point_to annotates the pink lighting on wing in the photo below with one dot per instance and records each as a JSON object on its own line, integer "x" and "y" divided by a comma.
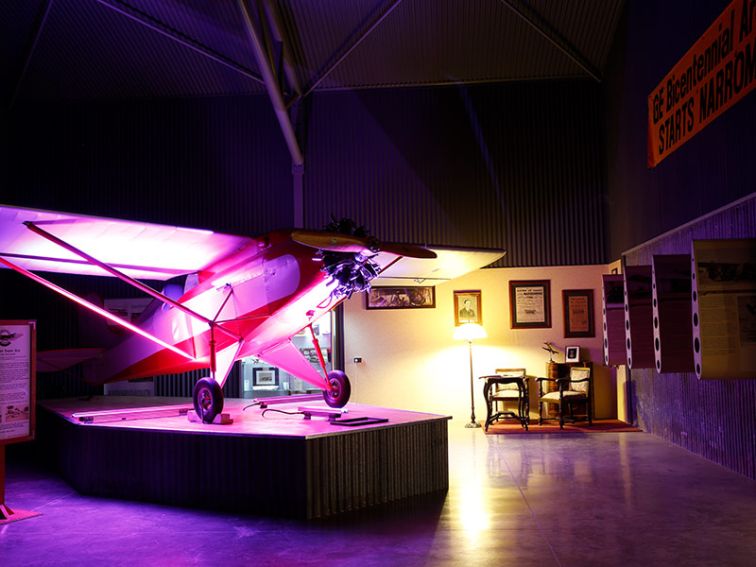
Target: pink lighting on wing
{"x": 95, "y": 308}
{"x": 241, "y": 296}
{"x": 112, "y": 271}
{"x": 142, "y": 250}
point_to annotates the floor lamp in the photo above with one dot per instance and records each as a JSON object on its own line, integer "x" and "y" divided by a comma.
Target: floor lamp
{"x": 470, "y": 332}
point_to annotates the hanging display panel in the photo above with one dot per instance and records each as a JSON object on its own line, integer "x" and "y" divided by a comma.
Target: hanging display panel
{"x": 673, "y": 333}
{"x": 639, "y": 332}
{"x": 613, "y": 309}
{"x": 724, "y": 308}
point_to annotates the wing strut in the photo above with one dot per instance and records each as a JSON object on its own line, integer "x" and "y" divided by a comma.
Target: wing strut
{"x": 321, "y": 360}
{"x": 128, "y": 279}
{"x": 92, "y": 307}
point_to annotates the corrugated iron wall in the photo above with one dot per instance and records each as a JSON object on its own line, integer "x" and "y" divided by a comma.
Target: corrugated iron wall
{"x": 713, "y": 418}
{"x": 313, "y": 477}
{"x": 516, "y": 166}
{"x": 510, "y": 166}
{"x": 182, "y": 385}
{"x": 217, "y": 163}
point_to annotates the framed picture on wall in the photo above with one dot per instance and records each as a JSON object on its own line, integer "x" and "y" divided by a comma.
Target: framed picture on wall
{"x": 468, "y": 307}
{"x": 530, "y": 304}
{"x": 578, "y": 313}
{"x": 572, "y": 354}
{"x": 265, "y": 377}
{"x": 410, "y": 297}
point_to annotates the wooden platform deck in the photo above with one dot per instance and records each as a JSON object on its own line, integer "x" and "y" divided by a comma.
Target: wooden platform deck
{"x": 265, "y": 462}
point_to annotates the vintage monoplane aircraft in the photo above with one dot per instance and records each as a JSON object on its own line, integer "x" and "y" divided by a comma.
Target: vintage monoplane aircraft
{"x": 237, "y": 297}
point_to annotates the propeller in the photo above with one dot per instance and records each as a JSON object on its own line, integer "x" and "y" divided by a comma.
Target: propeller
{"x": 334, "y": 241}
{"x": 408, "y": 250}
{"x": 347, "y": 253}
{"x": 337, "y": 242}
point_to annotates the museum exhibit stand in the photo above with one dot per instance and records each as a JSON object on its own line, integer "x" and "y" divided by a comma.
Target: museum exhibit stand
{"x": 273, "y": 463}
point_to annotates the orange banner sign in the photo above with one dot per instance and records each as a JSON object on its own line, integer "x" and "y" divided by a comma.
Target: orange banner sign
{"x": 718, "y": 71}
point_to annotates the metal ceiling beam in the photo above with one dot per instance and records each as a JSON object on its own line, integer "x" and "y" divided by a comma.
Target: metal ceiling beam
{"x": 282, "y": 43}
{"x": 148, "y": 21}
{"x": 543, "y": 27}
{"x": 271, "y": 86}
{"x": 30, "y": 52}
{"x": 391, "y": 6}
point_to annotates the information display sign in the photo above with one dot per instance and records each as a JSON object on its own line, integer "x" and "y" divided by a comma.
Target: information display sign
{"x": 724, "y": 308}
{"x": 17, "y": 381}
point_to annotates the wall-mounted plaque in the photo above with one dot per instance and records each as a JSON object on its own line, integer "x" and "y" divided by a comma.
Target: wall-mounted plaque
{"x": 17, "y": 380}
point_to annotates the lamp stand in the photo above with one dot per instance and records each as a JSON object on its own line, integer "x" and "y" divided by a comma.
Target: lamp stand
{"x": 473, "y": 423}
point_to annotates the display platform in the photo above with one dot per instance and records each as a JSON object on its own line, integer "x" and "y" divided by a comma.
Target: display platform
{"x": 267, "y": 463}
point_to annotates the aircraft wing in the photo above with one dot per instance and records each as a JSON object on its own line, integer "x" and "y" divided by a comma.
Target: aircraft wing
{"x": 448, "y": 264}
{"x": 141, "y": 250}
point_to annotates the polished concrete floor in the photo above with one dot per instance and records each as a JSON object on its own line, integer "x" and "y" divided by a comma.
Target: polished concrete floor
{"x": 583, "y": 499}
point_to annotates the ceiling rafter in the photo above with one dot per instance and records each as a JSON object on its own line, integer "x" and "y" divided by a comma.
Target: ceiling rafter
{"x": 543, "y": 27}
{"x": 30, "y": 52}
{"x": 311, "y": 46}
{"x": 165, "y": 30}
{"x": 346, "y": 49}
{"x": 287, "y": 76}
{"x": 271, "y": 84}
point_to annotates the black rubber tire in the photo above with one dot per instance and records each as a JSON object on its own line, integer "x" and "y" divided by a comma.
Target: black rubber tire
{"x": 208, "y": 399}
{"x": 340, "y": 391}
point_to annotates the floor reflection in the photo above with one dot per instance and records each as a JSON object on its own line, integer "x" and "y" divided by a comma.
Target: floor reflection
{"x": 548, "y": 500}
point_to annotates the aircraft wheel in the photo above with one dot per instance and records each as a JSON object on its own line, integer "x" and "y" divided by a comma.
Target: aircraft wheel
{"x": 338, "y": 395}
{"x": 208, "y": 399}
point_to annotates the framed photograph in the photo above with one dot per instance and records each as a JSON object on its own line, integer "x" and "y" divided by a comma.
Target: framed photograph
{"x": 265, "y": 377}
{"x": 530, "y": 304}
{"x": 572, "y": 354}
{"x": 410, "y": 297}
{"x": 578, "y": 313}
{"x": 468, "y": 307}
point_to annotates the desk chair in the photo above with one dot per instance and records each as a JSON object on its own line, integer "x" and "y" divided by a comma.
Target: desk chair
{"x": 507, "y": 386}
{"x": 571, "y": 390}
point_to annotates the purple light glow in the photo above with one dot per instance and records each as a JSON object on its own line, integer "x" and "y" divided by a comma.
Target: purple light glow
{"x": 141, "y": 250}
{"x": 92, "y": 307}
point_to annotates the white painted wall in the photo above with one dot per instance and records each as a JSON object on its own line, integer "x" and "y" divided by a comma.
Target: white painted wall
{"x": 410, "y": 360}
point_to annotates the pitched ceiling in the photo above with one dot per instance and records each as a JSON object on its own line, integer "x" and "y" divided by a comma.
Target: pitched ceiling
{"x": 115, "y": 49}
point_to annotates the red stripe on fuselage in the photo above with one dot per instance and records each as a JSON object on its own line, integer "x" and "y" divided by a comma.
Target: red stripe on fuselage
{"x": 246, "y": 326}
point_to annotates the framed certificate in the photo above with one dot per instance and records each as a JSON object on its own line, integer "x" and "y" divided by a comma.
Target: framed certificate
{"x": 530, "y": 304}
{"x": 578, "y": 313}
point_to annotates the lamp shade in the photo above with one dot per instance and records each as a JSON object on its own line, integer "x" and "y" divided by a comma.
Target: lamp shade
{"x": 469, "y": 332}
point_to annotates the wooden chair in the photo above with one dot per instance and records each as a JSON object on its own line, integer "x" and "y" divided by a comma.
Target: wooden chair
{"x": 575, "y": 389}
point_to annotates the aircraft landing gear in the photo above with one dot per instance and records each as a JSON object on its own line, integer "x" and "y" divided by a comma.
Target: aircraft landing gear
{"x": 208, "y": 399}
{"x": 338, "y": 395}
